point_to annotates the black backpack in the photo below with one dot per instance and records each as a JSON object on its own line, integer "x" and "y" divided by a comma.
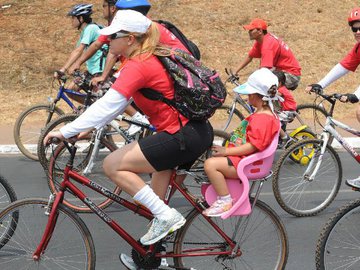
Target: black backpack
{"x": 191, "y": 46}
{"x": 199, "y": 90}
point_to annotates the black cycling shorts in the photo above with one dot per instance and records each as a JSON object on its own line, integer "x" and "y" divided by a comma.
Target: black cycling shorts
{"x": 162, "y": 150}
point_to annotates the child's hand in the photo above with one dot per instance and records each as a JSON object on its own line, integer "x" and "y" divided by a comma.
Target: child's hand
{"x": 218, "y": 151}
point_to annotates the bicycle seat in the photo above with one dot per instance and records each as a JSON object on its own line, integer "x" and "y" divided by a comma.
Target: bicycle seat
{"x": 253, "y": 167}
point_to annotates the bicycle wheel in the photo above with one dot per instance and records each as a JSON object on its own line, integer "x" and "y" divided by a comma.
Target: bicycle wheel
{"x": 94, "y": 172}
{"x": 261, "y": 235}
{"x": 44, "y": 152}
{"x": 28, "y": 127}
{"x": 76, "y": 252}
{"x": 296, "y": 193}
{"x": 7, "y": 195}
{"x": 338, "y": 244}
{"x": 222, "y": 120}
{"x": 193, "y": 182}
{"x": 311, "y": 115}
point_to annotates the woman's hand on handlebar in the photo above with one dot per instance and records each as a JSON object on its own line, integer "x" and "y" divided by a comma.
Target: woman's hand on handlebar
{"x": 53, "y": 137}
{"x": 317, "y": 88}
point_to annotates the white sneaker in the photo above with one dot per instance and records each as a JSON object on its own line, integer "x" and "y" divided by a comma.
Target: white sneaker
{"x": 135, "y": 128}
{"x": 128, "y": 262}
{"x": 353, "y": 182}
{"x": 161, "y": 227}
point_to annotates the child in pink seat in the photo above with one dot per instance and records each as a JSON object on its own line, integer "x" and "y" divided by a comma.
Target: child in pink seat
{"x": 254, "y": 134}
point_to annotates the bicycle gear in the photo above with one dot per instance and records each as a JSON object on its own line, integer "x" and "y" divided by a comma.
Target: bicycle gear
{"x": 148, "y": 261}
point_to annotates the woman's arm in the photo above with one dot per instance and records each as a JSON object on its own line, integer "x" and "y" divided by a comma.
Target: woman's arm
{"x": 335, "y": 73}
{"x": 98, "y": 114}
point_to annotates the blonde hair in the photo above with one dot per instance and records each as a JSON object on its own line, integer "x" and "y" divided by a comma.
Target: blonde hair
{"x": 149, "y": 42}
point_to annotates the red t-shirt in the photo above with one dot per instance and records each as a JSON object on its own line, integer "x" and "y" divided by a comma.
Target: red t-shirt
{"x": 104, "y": 39}
{"x": 352, "y": 59}
{"x": 275, "y": 53}
{"x": 289, "y": 103}
{"x": 150, "y": 73}
{"x": 260, "y": 131}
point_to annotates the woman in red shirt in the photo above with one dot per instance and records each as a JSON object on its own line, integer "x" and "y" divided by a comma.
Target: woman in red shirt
{"x": 136, "y": 38}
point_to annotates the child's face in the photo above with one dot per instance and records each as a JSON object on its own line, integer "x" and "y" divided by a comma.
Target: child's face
{"x": 254, "y": 99}
{"x": 74, "y": 22}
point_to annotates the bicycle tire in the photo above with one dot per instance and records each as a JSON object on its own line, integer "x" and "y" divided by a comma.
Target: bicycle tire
{"x": 293, "y": 190}
{"x": 330, "y": 256}
{"x": 77, "y": 252}
{"x": 222, "y": 115}
{"x": 44, "y": 152}
{"x": 34, "y": 128}
{"x": 57, "y": 164}
{"x": 309, "y": 119}
{"x": 197, "y": 233}
{"x": 7, "y": 196}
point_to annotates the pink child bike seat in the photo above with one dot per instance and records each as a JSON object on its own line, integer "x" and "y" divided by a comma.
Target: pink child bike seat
{"x": 253, "y": 167}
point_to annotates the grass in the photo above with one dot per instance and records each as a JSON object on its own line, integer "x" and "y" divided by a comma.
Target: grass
{"x": 36, "y": 38}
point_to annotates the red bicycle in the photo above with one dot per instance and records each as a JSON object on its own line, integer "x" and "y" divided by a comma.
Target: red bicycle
{"x": 49, "y": 235}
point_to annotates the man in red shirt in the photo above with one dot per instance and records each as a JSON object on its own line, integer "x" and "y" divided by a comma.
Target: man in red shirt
{"x": 273, "y": 53}
{"x": 349, "y": 63}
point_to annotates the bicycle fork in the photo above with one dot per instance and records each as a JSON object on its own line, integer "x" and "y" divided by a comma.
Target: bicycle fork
{"x": 52, "y": 212}
{"x": 316, "y": 160}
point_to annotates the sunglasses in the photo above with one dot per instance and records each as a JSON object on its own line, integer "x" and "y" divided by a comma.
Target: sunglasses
{"x": 118, "y": 35}
{"x": 355, "y": 29}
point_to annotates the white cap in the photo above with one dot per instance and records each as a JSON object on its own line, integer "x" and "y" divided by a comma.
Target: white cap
{"x": 127, "y": 20}
{"x": 261, "y": 81}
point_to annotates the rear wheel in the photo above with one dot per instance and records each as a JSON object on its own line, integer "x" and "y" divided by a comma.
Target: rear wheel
{"x": 70, "y": 245}
{"x": 261, "y": 235}
{"x": 29, "y": 125}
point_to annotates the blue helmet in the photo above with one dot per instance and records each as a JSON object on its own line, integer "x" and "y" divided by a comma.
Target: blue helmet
{"x": 142, "y": 6}
{"x": 81, "y": 10}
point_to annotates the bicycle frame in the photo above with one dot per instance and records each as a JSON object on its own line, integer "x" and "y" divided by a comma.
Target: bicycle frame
{"x": 66, "y": 184}
{"x": 329, "y": 130}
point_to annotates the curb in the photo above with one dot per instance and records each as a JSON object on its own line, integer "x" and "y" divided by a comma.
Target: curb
{"x": 13, "y": 149}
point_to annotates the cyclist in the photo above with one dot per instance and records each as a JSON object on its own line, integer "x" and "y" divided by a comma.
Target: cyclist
{"x": 349, "y": 63}
{"x": 109, "y": 11}
{"x": 81, "y": 20}
{"x": 287, "y": 107}
{"x": 273, "y": 53}
{"x": 136, "y": 37}
{"x": 255, "y": 133}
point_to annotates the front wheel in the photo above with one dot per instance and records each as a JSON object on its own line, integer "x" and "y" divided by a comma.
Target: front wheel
{"x": 87, "y": 165}
{"x": 261, "y": 235}
{"x": 338, "y": 244}
{"x": 225, "y": 119}
{"x": 300, "y": 191}
{"x": 70, "y": 246}
{"x": 29, "y": 125}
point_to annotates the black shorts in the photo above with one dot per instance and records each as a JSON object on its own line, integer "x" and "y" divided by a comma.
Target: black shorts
{"x": 162, "y": 150}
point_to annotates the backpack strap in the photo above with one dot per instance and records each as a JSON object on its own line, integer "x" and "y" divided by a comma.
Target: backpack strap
{"x": 155, "y": 95}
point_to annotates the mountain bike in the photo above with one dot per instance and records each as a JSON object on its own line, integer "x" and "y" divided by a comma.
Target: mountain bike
{"x": 31, "y": 121}
{"x": 7, "y": 195}
{"x": 49, "y": 235}
{"x": 308, "y": 186}
{"x": 338, "y": 243}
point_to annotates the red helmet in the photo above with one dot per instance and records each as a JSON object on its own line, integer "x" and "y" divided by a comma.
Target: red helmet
{"x": 354, "y": 15}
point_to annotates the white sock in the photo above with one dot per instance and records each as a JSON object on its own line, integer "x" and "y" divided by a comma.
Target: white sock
{"x": 147, "y": 197}
{"x": 137, "y": 115}
{"x": 225, "y": 198}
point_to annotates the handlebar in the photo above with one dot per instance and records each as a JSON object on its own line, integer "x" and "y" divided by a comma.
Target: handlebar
{"x": 234, "y": 79}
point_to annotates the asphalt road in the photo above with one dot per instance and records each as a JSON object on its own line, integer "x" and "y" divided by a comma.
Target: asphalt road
{"x": 28, "y": 180}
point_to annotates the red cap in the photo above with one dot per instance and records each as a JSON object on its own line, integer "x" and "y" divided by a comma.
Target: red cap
{"x": 256, "y": 24}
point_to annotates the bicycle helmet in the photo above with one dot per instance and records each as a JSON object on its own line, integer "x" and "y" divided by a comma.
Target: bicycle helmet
{"x": 142, "y": 6}
{"x": 354, "y": 16}
{"x": 81, "y": 10}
